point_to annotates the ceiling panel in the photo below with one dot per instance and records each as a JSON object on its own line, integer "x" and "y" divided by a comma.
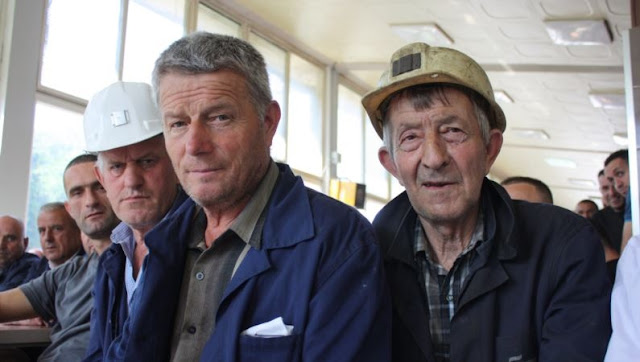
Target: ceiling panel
{"x": 549, "y": 83}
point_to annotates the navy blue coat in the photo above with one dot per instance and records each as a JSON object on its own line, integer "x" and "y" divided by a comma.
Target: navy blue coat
{"x": 19, "y": 272}
{"x": 318, "y": 268}
{"x": 150, "y": 326}
{"x": 542, "y": 295}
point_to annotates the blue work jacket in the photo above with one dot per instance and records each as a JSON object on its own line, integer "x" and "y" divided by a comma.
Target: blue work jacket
{"x": 166, "y": 244}
{"x": 318, "y": 268}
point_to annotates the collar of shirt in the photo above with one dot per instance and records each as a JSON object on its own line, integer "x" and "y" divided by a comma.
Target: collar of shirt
{"x": 422, "y": 242}
{"x": 248, "y": 225}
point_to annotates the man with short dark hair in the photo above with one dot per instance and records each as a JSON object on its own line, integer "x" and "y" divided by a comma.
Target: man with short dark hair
{"x": 616, "y": 168}
{"x": 15, "y": 262}
{"x": 610, "y": 220}
{"x": 63, "y": 294}
{"x": 527, "y": 189}
{"x": 475, "y": 275}
{"x": 586, "y": 208}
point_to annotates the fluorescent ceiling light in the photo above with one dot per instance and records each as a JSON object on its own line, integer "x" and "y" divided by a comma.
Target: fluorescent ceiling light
{"x": 620, "y": 139}
{"x": 608, "y": 100}
{"x": 531, "y": 133}
{"x": 429, "y": 33}
{"x": 582, "y": 182}
{"x": 502, "y": 96}
{"x": 578, "y": 32}
{"x": 560, "y": 162}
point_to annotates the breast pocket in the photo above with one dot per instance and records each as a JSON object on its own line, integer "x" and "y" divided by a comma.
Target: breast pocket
{"x": 285, "y": 348}
{"x": 513, "y": 349}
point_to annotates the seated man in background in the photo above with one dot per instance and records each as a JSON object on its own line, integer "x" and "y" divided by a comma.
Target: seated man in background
{"x": 610, "y": 219}
{"x": 527, "y": 189}
{"x": 59, "y": 237}
{"x": 475, "y": 275}
{"x": 63, "y": 294}
{"x": 616, "y": 168}
{"x": 586, "y": 208}
{"x": 15, "y": 262}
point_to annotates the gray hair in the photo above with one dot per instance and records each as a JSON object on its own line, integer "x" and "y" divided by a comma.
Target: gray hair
{"x": 203, "y": 52}
{"x": 422, "y": 97}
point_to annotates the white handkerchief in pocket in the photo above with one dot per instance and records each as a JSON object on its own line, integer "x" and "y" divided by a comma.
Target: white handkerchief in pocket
{"x": 270, "y": 329}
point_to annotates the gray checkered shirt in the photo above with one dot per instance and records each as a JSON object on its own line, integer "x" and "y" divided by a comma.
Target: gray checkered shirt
{"x": 442, "y": 288}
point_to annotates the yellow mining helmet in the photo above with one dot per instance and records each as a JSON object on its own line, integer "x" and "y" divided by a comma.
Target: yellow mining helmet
{"x": 419, "y": 63}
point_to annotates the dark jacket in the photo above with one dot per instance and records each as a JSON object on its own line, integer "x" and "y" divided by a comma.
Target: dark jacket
{"x": 110, "y": 338}
{"x": 318, "y": 268}
{"x": 19, "y": 272}
{"x": 542, "y": 295}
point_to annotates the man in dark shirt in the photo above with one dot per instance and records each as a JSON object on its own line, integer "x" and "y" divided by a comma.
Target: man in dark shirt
{"x": 15, "y": 262}
{"x": 610, "y": 219}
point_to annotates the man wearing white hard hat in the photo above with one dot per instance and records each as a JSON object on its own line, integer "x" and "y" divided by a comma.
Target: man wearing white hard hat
{"x": 122, "y": 125}
{"x": 474, "y": 275}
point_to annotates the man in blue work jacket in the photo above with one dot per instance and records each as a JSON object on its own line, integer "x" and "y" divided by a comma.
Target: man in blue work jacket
{"x": 271, "y": 270}
{"x": 475, "y": 276}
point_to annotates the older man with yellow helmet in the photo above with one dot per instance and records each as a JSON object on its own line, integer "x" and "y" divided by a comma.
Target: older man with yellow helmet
{"x": 474, "y": 275}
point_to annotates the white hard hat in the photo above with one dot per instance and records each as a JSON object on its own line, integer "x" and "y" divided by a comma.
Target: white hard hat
{"x": 120, "y": 115}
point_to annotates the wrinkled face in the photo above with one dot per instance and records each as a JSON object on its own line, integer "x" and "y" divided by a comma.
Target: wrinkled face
{"x": 59, "y": 235}
{"x": 217, "y": 142}
{"x": 617, "y": 172}
{"x": 440, "y": 157}
{"x": 524, "y": 191}
{"x": 87, "y": 201}
{"x": 139, "y": 181}
{"x": 610, "y": 197}
{"x": 12, "y": 241}
{"x": 586, "y": 209}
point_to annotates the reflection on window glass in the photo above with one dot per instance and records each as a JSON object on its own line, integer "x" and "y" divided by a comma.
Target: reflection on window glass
{"x": 214, "y": 22}
{"x": 80, "y": 47}
{"x": 350, "y": 135}
{"x": 376, "y": 177}
{"x": 304, "y": 131}
{"x": 276, "y": 60}
{"x": 57, "y": 138}
{"x": 151, "y": 28}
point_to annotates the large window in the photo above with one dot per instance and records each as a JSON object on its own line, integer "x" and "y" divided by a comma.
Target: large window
{"x": 57, "y": 138}
{"x": 80, "y": 52}
{"x": 151, "y": 27}
{"x": 304, "y": 131}
{"x": 277, "y": 60}
{"x": 89, "y": 44}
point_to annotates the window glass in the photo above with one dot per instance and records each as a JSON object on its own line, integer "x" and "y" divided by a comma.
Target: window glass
{"x": 57, "y": 138}
{"x": 151, "y": 28}
{"x": 376, "y": 176}
{"x": 350, "y": 135}
{"x": 371, "y": 208}
{"x": 214, "y": 22}
{"x": 80, "y": 46}
{"x": 304, "y": 131}
{"x": 276, "y": 59}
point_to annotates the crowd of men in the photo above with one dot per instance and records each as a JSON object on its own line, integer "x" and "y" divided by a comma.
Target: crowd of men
{"x": 198, "y": 246}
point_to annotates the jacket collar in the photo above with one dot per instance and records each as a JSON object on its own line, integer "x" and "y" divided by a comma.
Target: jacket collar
{"x": 289, "y": 196}
{"x": 398, "y": 218}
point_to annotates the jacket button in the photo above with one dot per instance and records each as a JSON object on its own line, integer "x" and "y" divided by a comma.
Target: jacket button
{"x": 191, "y": 329}
{"x": 199, "y": 275}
